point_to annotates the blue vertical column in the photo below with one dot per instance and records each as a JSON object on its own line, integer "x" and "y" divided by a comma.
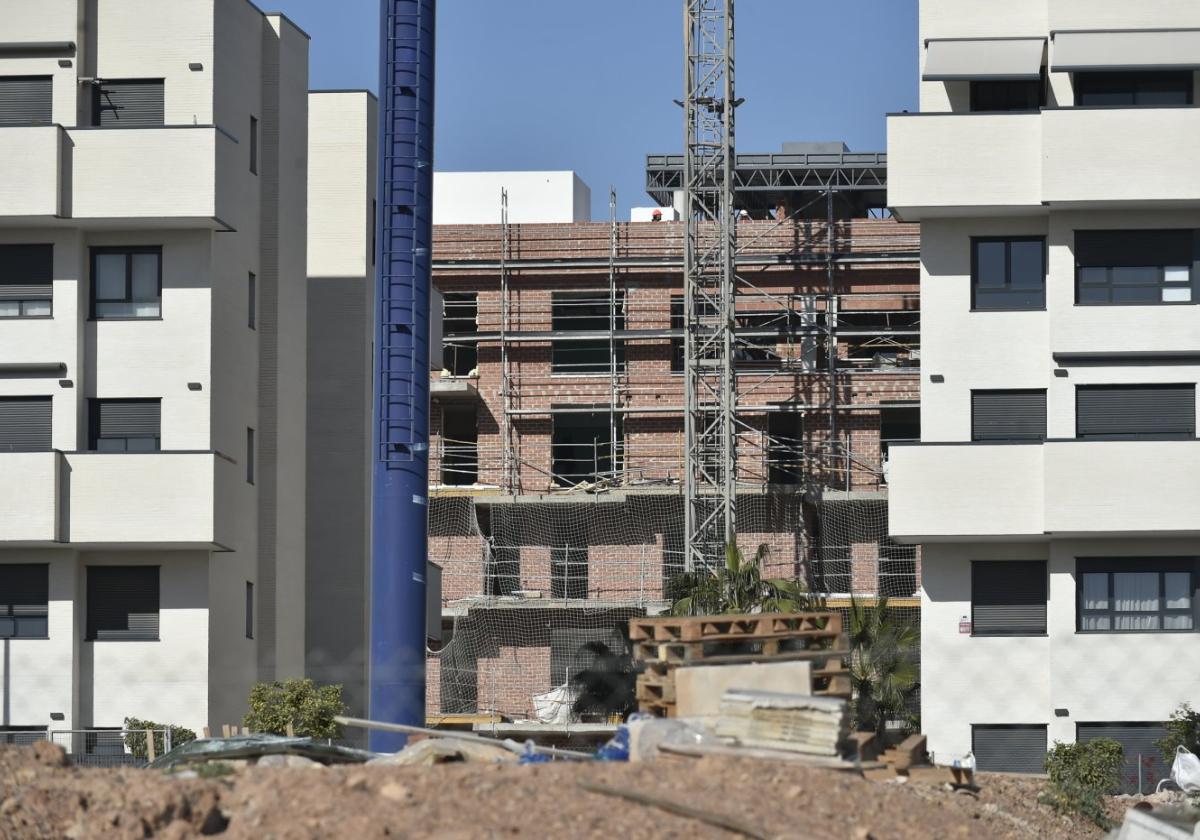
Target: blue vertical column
{"x": 399, "y": 529}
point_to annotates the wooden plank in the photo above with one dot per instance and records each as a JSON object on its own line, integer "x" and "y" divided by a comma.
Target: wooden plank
{"x": 150, "y": 751}
{"x": 760, "y": 646}
{"x": 730, "y": 627}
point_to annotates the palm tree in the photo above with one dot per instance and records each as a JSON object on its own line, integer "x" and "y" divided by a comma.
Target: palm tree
{"x": 737, "y": 588}
{"x": 882, "y": 663}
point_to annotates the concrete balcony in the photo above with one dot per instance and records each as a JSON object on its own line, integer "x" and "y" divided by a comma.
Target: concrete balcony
{"x": 161, "y": 177}
{"x": 155, "y": 499}
{"x": 170, "y": 177}
{"x": 32, "y": 162}
{"x": 984, "y": 492}
{"x": 946, "y": 164}
{"x": 1131, "y": 157}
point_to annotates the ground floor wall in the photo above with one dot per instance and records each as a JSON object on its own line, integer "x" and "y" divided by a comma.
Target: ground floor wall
{"x": 1058, "y": 680}
{"x": 197, "y": 673}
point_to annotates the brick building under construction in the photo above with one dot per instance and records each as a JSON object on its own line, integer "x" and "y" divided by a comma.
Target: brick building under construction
{"x": 557, "y": 455}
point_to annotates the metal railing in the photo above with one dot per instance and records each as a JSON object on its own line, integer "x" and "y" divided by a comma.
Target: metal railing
{"x": 96, "y": 747}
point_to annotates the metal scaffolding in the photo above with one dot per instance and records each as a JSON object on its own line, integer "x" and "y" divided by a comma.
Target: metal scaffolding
{"x": 710, "y": 249}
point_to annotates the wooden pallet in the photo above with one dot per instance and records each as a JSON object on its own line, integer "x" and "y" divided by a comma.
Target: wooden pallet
{"x": 749, "y": 646}
{"x": 656, "y": 692}
{"x": 729, "y": 627}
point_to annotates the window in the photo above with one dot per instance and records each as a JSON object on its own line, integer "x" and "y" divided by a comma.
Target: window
{"x": 249, "y": 610}
{"x": 126, "y": 283}
{"x": 25, "y": 424}
{"x": 1143, "y": 767}
{"x": 254, "y": 145}
{"x": 785, "y": 447}
{"x": 1009, "y": 95}
{"x": 1136, "y": 266}
{"x": 898, "y": 425}
{"x": 1135, "y": 412}
{"x": 1009, "y": 748}
{"x": 504, "y": 570}
{"x": 574, "y": 312}
{"x": 460, "y": 444}
{"x": 124, "y": 425}
{"x": 1008, "y": 415}
{"x": 122, "y": 603}
{"x": 24, "y": 601}
{"x": 1147, "y": 595}
{"x": 568, "y": 572}
{"x": 581, "y": 448}
{"x": 1008, "y": 598}
{"x": 26, "y": 100}
{"x": 128, "y": 103}
{"x": 1133, "y": 90}
{"x": 1008, "y": 273}
{"x": 252, "y": 301}
{"x": 461, "y": 324}
{"x": 26, "y": 281}
{"x": 250, "y": 453}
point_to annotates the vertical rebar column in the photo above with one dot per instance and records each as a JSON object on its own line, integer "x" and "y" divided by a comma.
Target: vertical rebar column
{"x": 509, "y": 437}
{"x": 710, "y": 282}
{"x": 399, "y": 522}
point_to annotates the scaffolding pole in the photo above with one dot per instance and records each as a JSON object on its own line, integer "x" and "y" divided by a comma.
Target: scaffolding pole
{"x": 612, "y": 331}
{"x": 710, "y": 284}
{"x": 506, "y": 379}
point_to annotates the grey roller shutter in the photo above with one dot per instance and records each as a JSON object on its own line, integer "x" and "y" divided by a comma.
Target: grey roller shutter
{"x": 128, "y": 418}
{"x": 122, "y": 603}
{"x": 24, "y": 424}
{"x": 24, "y": 600}
{"x": 1144, "y": 766}
{"x": 26, "y": 272}
{"x": 1132, "y": 411}
{"x": 1009, "y": 749}
{"x": 1008, "y": 598}
{"x": 26, "y": 100}
{"x": 1008, "y": 415}
{"x": 131, "y": 103}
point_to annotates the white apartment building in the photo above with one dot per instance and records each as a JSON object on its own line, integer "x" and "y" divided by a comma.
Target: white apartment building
{"x": 1056, "y": 488}
{"x": 152, "y": 359}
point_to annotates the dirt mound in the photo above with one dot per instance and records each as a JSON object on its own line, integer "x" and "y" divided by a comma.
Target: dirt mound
{"x": 41, "y": 798}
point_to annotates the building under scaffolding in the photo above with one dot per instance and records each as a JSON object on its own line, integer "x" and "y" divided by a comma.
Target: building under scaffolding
{"x": 558, "y": 447}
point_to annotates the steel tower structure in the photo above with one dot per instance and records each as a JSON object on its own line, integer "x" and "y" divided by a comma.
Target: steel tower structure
{"x": 710, "y": 283}
{"x": 399, "y": 527}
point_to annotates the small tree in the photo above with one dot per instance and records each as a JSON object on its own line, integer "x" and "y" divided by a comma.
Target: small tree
{"x": 1183, "y": 730}
{"x": 1081, "y": 775}
{"x": 135, "y": 738}
{"x": 738, "y": 587}
{"x": 309, "y": 708}
{"x": 882, "y": 664}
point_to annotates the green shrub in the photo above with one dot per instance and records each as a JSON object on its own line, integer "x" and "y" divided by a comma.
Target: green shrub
{"x": 1081, "y": 775}
{"x": 135, "y": 740}
{"x": 309, "y": 708}
{"x": 1183, "y": 730}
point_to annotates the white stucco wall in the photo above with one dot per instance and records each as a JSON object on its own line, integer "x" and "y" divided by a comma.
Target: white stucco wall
{"x": 473, "y": 198}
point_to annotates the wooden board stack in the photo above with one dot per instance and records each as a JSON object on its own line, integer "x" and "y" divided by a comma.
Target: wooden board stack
{"x": 663, "y": 643}
{"x": 792, "y": 722}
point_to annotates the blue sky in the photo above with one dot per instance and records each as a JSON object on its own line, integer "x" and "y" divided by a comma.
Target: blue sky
{"x": 569, "y": 84}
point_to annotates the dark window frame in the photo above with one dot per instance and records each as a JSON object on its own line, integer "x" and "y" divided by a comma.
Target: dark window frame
{"x": 252, "y": 300}
{"x": 94, "y": 431}
{"x": 1161, "y": 285}
{"x": 29, "y": 298}
{"x": 1008, "y": 288}
{"x": 251, "y": 452}
{"x": 249, "y": 610}
{"x": 1134, "y": 82}
{"x": 1187, "y": 435}
{"x": 1045, "y": 602}
{"x": 91, "y": 631}
{"x": 128, "y": 251}
{"x": 976, "y": 437}
{"x": 254, "y": 129}
{"x": 1112, "y": 566}
{"x": 8, "y": 613}
{"x": 571, "y": 454}
{"x": 1038, "y": 87}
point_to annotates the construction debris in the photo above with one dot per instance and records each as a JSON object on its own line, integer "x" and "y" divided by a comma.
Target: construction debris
{"x": 245, "y": 748}
{"x": 791, "y": 722}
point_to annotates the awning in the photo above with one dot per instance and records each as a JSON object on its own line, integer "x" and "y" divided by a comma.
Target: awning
{"x": 1147, "y": 49}
{"x": 981, "y": 59}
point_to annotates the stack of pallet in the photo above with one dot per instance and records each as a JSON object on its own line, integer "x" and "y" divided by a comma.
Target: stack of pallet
{"x": 792, "y": 722}
{"x": 663, "y": 644}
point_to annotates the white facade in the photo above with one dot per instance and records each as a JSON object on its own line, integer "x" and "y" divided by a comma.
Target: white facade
{"x": 215, "y": 183}
{"x": 473, "y": 198}
{"x": 1079, "y": 502}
